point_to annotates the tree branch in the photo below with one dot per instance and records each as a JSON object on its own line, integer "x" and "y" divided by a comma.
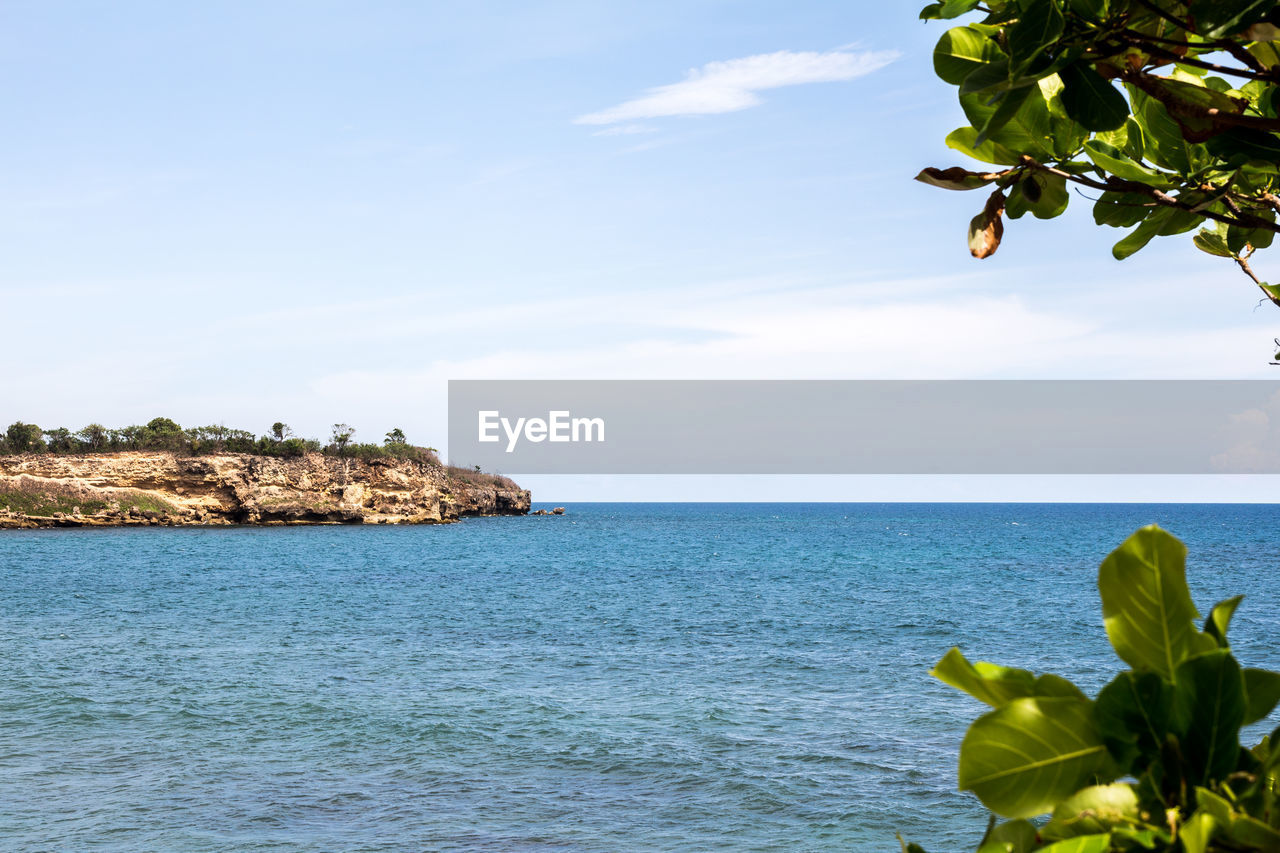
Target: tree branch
{"x": 1113, "y": 184}
{"x": 1133, "y": 39}
{"x": 1151, "y": 7}
{"x": 1243, "y": 263}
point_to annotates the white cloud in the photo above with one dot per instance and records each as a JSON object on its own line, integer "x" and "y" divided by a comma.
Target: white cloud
{"x": 724, "y": 87}
{"x": 625, "y": 130}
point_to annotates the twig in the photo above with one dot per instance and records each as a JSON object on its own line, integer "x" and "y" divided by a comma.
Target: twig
{"x": 1151, "y": 7}
{"x": 1243, "y": 220}
{"x": 1133, "y": 39}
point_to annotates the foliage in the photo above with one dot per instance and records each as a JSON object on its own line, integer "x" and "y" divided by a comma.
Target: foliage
{"x": 1187, "y": 138}
{"x": 24, "y": 438}
{"x": 341, "y": 436}
{"x": 1154, "y": 761}
{"x": 166, "y": 434}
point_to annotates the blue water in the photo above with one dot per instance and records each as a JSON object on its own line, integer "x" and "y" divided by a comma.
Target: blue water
{"x": 625, "y": 677}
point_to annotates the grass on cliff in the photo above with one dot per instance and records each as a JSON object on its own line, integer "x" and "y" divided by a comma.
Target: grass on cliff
{"x": 472, "y": 477}
{"x": 48, "y": 499}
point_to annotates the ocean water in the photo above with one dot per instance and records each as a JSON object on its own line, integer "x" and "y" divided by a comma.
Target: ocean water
{"x": 623, "y": 678}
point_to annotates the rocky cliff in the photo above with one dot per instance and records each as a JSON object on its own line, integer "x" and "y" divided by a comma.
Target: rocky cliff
{"x": 45, "y": 490}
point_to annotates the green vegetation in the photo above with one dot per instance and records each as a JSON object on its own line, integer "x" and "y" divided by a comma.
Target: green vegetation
{"x": 165, "y": 434}
{"x": 46, "y": 498}
{"x": 1189, "y": 138}
{"x": 44, "y": 503}
{"x": 1154, "y": 761}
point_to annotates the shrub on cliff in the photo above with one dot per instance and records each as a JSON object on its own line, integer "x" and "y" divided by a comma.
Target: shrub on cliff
{"x": 24, "y": 438}
{"x": 166, "y": 434}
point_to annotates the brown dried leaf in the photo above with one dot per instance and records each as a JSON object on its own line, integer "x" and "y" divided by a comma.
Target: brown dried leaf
{"x": 987, "y": 228}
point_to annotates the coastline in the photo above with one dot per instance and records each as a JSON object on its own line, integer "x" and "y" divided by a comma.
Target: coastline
{"x": 161, "y": 488}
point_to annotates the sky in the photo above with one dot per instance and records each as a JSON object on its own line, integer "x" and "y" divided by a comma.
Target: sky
{"x": 245, "y": 212}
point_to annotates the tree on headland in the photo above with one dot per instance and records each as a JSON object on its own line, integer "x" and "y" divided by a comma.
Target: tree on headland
{"x": 341, "y": 437}
{"x": 94, "y": 436}
{"x": 24, "y": 438}
{"x": 60, "y": 440}
{"x": 1163, "y": 114}
{"x": 165, "y": 434}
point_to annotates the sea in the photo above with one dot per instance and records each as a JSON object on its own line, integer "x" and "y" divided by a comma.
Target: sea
{"x": 625, "y": 677}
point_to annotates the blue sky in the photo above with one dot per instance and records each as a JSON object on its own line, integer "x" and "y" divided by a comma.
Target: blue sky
{"x": 322, "y": 211}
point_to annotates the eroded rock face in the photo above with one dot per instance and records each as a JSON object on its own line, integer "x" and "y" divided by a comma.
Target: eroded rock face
{"x": 236, "y": 488}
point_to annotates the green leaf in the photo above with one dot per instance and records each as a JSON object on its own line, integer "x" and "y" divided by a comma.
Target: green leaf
{"x": 1092, "y": 10}
{"x": 1220, "y": 616}
{"x": 965, "y": 140}
{"x": 993, "y": 75}
{"x": 1027, "y": 755}
{"x": 1146, "y": 606}
{"x": 1120, "y": 210}
{"x": 1132, "y": 717}
{"x": 1091, "y": 100}
{"x": 1253, "y": 834}
{"x": 1241, "y": 145}
{"x": 1080, "y": 844}
{"x": 1113, "y": 160}
{"x": 1040, "y": 25}
{"x": 1052, "y": 196}
{"x": 1024, "y": 126}
{"x": 1093, "y": 810}
{"x": 948, "y": 9}
{"x": 1208, "y": 711}
{"x": 1009, "y": 103}
{"x": 1161, "y": 223}
{"x": 1215, "y": 244}
{"x": 1262, "y": 688}
{"x": 998, "y": 685}
{"x": 1164, "y": 143}
{"x": 1197, "y": 832}
{"x": 1014, "y": 836}
{"x": 1224, "y": 17}
{"x": 961, "y": 51}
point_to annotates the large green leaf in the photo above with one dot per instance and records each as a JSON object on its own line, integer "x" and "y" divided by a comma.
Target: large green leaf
{"x": 1120, "y": 210}
{"x": 1014, "y": 836}
{"x": 1080, "y": 844}
{"x": 1165, "y": 145}
{"x": 1051, "y": 195}
{"x": 1222, "y": 17}
{"x": 1024, "y": 757}
{"x": 1025, "y": 130}
{"x": 1197, "y": 832}
{"x": 998, "y": 685}
{"x": 1163, "y": 222}
{"x": 1146, "y": 606}
{"x": 1262, "y": 689}
{"x": 947, "y": 9}
{"x": 1093, "y": 810}
{"x": 1039, "y": 26}
{"x": 1132, "y": 717}
{"x": 961, "y": 51}
{"x": 965, "y": 140}
{"x": 1091, "y": 100}
{"x": 1208, "y": 711}
{"x": 1113, "y": 160}
{"x": 1220, "y": 616}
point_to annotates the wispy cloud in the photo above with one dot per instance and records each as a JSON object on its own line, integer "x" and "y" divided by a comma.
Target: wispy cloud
{"x": 625, "y": 130}
{"x": 731, "y": 85}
